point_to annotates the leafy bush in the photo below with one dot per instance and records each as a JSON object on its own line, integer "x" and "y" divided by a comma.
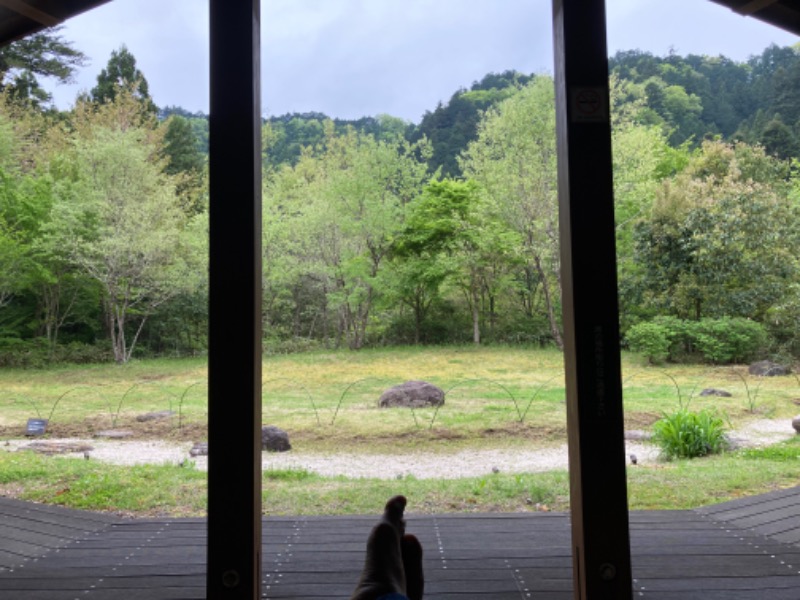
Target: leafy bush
{"x": 291, "y": 345}
{"x": 37, "y": 353}
{"x": 719, "y": 341}
{"x": 728, "y": 340}
{"x": 650, "y": 339}
{"x": 685, "y": 434}
{"x": 783, "y": 321}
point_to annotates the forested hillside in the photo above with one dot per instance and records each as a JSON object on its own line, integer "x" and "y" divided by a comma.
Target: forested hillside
{"x": 381, "y": 231}
{"x": 691, "y": 97}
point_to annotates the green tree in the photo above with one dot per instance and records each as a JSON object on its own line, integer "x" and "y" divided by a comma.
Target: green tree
{"x": 329, "y": 223}
{"x": 453, "y": 233}
{"x": 180, "y": 147}
{"x": 119, "y": 222}
{"x": 642, "y": 158}
{"x": 722, "y": 237}
{"x": 451, "y": 127}
{"x": 514, "y": 162}
{"x": 122, "y": 72}
{"x": 13, "y": 255}
{"x": 43, "y": 54}
{"x": 186, "y": 162}
{"x": 779, "y": 140}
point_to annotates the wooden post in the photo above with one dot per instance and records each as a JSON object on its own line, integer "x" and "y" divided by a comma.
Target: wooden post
{"x": 598, "y": 494}
{"x": 234, "y": 365}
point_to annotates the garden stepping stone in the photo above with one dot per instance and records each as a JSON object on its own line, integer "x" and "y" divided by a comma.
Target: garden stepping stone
{"x": 49, "y": 448}
{"x": 114, "y": 434}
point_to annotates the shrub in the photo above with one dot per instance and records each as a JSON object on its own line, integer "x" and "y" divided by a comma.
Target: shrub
{"x": 685, "y": 434}
{"x": 719, "y": 341}
{"x": 679, "y": 335}
{"x": 37, "y": 353}
{"x": 650, "y": 339}
{"x": 728, "y": 340}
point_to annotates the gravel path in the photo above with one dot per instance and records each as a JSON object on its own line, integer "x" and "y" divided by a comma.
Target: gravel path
{"x": 467, "y": 463}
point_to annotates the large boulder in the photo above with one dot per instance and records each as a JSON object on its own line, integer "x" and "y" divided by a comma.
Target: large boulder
{"x": 767, "y": 368}
{"x": 274, "y": 439}
{"x": 412, "y": 394}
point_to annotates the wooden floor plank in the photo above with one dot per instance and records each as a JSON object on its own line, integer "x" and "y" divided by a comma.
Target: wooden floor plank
{"x": 724, "y": 507}
{"x": 690, "y": 555}
{"x": 765, "y": 510}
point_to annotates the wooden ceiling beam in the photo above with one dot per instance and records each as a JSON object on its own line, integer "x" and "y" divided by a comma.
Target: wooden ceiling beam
{"x": 32, "y": 13}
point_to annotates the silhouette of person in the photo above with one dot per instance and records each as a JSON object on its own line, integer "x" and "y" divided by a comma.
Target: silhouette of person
{"x": 393, "y": 566}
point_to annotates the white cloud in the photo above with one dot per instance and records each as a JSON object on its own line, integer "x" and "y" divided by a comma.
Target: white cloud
{"x": 350, "y": 58}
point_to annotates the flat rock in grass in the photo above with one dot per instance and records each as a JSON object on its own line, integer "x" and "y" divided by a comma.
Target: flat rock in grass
{"x": 52, "y": 447}
{"x": 155, "y": 416}
{"x": 114, "y": 434}
{"x": 636, "y": 435}
{"x": 412, "y": 394}
{"x": 715, "y": 392}
{"x": 734, "y": 443}
{"x": 199, "y": 449}
{"x": 767, "y": 368}
{"x": 274, "y": 439}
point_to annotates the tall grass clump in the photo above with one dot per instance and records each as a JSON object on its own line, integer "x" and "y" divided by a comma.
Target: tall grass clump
{"x": 684, "y": 434}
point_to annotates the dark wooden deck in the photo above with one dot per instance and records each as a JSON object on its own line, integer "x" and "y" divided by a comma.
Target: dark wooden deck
{"x": 748, "y": 549}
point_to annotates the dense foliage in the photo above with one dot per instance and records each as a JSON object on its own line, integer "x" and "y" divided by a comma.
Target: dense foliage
{"x": 718, "y": 341}
{"x": 380, "y": 231}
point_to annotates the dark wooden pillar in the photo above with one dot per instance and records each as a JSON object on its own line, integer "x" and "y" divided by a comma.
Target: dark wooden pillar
{"x": 599, "y": 505}
{"x": 234, "y": 365}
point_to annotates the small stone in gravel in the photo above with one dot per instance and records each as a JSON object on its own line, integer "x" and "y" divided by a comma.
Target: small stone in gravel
{"x": 199, "y": 449}
{"x": 767, "y": 368}
{"x": 155, "y": 416}
{"x": 114, "y": 434}
{"x": 50, "y": 448}
{"x": 715, "y": 392}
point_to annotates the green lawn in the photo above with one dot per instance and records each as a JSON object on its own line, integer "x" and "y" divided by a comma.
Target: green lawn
{"x": 496, "y": 398}
{"x": 156, "y": 490}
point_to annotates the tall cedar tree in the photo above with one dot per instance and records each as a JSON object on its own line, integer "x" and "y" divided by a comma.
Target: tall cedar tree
{"x": 43, "y": 54}
{"x": 121, "y": 71}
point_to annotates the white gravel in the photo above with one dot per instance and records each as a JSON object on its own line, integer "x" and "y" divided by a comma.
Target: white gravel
{"x": 466, "y": 463}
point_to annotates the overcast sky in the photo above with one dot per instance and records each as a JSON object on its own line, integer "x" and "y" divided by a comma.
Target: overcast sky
{"x": 354, "y": 58}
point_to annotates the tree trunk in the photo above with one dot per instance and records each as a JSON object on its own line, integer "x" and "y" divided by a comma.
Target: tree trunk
{"x": 551, "y": 314}
{"x": 492, "y": 316}
{"x": 417, "y": 319}
{"x": 476, "y": 317}
{"x": 115, "y": 321}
